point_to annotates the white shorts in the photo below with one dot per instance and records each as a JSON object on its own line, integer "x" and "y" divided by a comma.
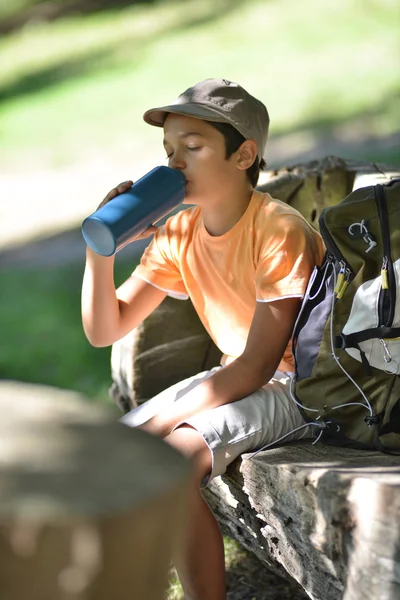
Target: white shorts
{"x": 242, "y": 426}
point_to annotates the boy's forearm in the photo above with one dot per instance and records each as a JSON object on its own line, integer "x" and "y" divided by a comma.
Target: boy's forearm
{"x": 233, "y": 382}
{"x": 100, "y": 307}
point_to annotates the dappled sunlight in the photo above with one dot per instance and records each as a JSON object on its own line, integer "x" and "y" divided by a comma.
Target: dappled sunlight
{"x": 43, "y": 55}
{"x": 44, "y": 202}
{"x": 77, "y": 88}
{"x": 73, "y": 91}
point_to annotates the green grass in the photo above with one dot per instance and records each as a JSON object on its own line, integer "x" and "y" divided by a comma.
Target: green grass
{"x": 42, "y": 339}
{"x": 234, "y": 555}
{"x": 79, "y": 86}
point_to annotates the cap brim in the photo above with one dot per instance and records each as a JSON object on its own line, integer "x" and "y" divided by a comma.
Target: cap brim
{"x": 157, "y": 116}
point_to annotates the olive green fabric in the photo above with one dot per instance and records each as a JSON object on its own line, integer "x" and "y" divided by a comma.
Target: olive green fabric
{"x": 327, "y": 385}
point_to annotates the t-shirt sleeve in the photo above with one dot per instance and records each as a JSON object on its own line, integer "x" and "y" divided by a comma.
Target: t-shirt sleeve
{"x": 286, "y": 259}
{"x": 159, "y": 264}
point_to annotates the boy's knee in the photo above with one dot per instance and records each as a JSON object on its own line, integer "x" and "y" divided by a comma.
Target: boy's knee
{"x": 189, "y": 442}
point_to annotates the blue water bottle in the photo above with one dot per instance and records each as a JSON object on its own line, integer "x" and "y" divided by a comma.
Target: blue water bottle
{"x": 149, "y": 199}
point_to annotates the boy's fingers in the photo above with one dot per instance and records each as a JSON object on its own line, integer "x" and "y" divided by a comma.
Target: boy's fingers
{"x": 109, "y": 197}
{"x": 147, "y": 232}
{"x": 111, "y": 194}
{"x": 150, "y": 230}
{"x": 120, "y": 189}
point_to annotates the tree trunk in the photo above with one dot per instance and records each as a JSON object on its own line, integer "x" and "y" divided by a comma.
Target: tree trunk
{"x": 89, "y": 508}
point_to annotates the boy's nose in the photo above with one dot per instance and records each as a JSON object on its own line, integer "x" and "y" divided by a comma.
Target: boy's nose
{"x": 177, "y": 162}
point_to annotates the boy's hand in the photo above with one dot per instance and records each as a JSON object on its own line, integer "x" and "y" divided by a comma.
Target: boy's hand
{"x": 120, "y": 189}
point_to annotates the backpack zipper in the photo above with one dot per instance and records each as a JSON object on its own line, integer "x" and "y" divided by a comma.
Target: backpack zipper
{"x": 346, "y": 273}
{"x": 387, "y": 294}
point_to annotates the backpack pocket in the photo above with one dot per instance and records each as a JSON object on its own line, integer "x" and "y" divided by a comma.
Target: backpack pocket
{"x": 382, "y": 349}
{"x": 310, "y": 324}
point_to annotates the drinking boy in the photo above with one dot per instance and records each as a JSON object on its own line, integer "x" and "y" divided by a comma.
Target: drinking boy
{"x": 244, "y": 260}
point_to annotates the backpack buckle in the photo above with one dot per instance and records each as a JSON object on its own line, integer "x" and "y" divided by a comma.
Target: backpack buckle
{"x": 372, "y": 420}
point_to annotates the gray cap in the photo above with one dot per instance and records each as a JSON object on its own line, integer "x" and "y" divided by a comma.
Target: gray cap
{"x": 221, "y": 101}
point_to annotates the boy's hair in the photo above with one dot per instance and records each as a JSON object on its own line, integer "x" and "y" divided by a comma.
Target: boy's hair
{"x": 233, "y": 140}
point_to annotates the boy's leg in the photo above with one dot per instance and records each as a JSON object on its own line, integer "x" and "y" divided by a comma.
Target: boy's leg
{"x": 213, "y": 439}
{"x": 200, "y": 564}
{"x": 261, "y": 419}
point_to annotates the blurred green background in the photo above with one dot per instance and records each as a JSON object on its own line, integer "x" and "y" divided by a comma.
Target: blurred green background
{"x": 76, "y": 76}
{"x": 75, "y": 79}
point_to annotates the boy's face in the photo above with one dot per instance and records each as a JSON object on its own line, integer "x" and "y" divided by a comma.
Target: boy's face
{"x": 198, "y": 150}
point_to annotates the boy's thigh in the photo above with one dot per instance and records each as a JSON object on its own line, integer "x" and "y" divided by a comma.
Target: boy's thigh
{"x": 242, "y": 426}
{"x": 248, "y": 424}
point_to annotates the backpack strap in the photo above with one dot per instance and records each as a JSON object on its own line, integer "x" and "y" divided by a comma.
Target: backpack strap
{"x": 364, "y": 360}
{"x": 351, "y": 340}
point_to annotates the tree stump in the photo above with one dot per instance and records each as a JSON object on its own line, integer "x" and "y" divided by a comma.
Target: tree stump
{"x": 89, "y": 508}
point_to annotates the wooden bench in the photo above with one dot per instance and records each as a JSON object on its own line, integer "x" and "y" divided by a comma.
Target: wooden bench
{"x": 327, "y": 517}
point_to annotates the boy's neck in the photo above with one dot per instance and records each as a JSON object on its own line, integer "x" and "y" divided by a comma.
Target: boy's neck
{"x": 223, "y": 214}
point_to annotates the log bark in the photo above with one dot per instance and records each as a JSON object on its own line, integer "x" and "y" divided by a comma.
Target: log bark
{"x": 328, "y": 517}
{"x": 169, "y": 346}
{"x": 89, "y": 509}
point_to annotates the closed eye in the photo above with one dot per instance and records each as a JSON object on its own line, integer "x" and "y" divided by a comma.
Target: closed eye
{"x": 191, "y": 148}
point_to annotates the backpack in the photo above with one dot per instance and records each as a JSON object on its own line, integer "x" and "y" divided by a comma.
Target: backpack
{"x": 346, "y": 339}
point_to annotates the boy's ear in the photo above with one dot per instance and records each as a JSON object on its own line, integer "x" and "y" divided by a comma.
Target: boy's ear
{"x": 247, "y": 154}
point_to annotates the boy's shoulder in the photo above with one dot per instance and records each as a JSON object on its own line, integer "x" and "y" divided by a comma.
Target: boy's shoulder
{"x": 267, "y": 207}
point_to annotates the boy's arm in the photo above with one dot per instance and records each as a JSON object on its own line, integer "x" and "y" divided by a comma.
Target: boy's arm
{"x": 109, "y": 314}
{"x": 269, "y": 335}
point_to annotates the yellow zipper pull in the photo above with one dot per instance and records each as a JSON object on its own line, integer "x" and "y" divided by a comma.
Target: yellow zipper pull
{"x": 339, "y": 282}
{"x": 342, "y": 289}
{"x": 384, "y": 274}
{"x": 340, "y": 279}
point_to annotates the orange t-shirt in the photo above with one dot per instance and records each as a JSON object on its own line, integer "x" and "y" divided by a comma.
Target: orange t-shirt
{"x": 268, "y": 255}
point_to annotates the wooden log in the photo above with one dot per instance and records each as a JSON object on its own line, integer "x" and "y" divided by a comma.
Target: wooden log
{"x": 310, "y": 187}
{"x": 89, "y": 508}
{"x": 169, "y": 346}
{"x": 374, "y": 565}
{"x": 328, "y": 517}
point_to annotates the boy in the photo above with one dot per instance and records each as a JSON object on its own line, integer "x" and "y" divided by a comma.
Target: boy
{"x": 244, "y": 260}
